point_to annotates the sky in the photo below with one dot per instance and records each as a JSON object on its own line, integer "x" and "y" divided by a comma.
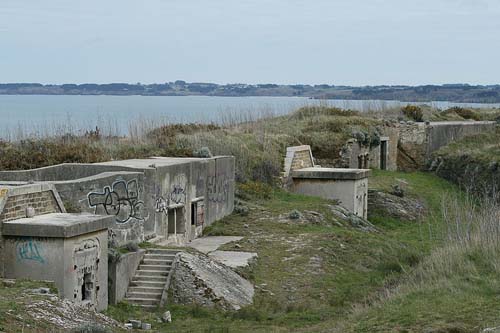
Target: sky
{"x": 341, "y": 42}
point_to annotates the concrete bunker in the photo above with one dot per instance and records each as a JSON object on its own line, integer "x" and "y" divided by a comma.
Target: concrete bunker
{"x": 40, "y": 241}
{"x": 165, "y": 200}
{"x": 149, "y": 199}
{"x": 407, "y": 145}
{"x": 349, "y": 186}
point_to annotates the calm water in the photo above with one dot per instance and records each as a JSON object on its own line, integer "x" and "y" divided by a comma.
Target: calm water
{"x": 43, "y": 115}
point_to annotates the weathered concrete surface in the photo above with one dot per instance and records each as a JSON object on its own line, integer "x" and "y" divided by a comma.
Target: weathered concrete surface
{"x": 120, "y": 274}
{"x": 233, "y": 259}
{"x": 200, "y": 280}
{"x": 331, "y": 173}
{"x": 144, "y": 196}
{"x": 77, "y": 265}
{"x": 441, "y": 133}
{"x": 57, "y": 225}
{"x": 212, "y": 243}
{"x": 417, "y": 141}
{"x": 352, "y": 194}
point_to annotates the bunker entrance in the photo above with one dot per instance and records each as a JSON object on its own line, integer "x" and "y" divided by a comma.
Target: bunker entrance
{"x": 383, "y": 155}
{"x": 176, "y": 221}
{"x": 197, "y": 213}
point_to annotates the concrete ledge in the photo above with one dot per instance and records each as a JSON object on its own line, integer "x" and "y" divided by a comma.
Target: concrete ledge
{"x": 57, "y": 225}
{"x": 331, "y": 173}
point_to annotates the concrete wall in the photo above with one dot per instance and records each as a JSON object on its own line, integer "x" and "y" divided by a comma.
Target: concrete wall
{"x": 352, "y": 194}
{"x": 15, "y": 200}
{"x": 353, "y": 153}
{"x": 417, "y": 141}
{"x": 120, "y": 274}
{"x": 118, "y": 193}
{"x": 64, "y": 261}
{"x": 440, "y": 134}
{"x": 138, "y": 192}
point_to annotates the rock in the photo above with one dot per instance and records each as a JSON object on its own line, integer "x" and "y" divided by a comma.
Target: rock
{"x": 136, "y": 324}
{"x": 42, "y": 291}
{"x": 354, "y": 220}
{"x": 201, "y": 280}
{"x": 146, "y": 326}
{"x": 238, "y": 246}
{"x": 167, "y": 317}
{"x": 8, "y": 282}
{"x": 402, "y": 208}
{"x": 246, "y": 226}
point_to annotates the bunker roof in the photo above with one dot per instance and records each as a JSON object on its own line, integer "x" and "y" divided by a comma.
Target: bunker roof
{"x": 331, "y": 173}
{"x": 156, "y": 161}
{"x": 57, "y": 225}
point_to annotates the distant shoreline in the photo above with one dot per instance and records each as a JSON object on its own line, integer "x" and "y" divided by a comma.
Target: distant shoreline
{"x": 456, "y": 93}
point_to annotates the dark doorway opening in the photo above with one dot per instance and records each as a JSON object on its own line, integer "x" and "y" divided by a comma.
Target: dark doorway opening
{"x": 87, "y": 286}
{"x": 383, "y": 155}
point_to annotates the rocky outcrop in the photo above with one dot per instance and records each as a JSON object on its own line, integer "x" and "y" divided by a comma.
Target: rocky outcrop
{"x": 403, "y": 208}
{"x": 198, "y": 279}
{"x": 354, "y": 220}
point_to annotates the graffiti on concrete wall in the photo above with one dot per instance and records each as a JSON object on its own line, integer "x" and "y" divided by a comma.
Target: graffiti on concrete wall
{"x": 161, "y": 205}
{"x": 29, "y": 249}
{"x": 176, "y": 196}
{"x": 178, "y": 193}
{"x": 218, "y": 188}
{"x": 121, "y": 199}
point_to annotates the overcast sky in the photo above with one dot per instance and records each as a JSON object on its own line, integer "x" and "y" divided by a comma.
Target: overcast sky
{"x": 354, "y": 42}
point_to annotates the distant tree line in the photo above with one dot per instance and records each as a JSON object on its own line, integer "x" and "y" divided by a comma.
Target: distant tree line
{"x": 447, "y": 92}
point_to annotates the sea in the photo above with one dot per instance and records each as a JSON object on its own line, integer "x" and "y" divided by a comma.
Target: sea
{"x": 23, "y": 116}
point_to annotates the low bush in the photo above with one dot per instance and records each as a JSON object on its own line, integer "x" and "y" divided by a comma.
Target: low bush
{"x": 464, "y": 113}
{"x": 257, "y": 190}
{"x": 413, "y": 112}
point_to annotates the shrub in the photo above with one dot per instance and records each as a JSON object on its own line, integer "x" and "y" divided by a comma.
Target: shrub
{"x": 256, "y": 189}
{"x": 413, "y": 112}
{"x": 132, "y": 247}
{"x": 113, "y": 255}
{"x": 464, "y": 113}
{"x": 203, "y": 152}
{"x": 294, "y": 215}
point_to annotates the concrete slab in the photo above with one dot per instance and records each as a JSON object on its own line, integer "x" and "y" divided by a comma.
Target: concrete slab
{"x": 233, "y": 259}
{"x": 212, "y": 243}
{"x": 331, "y": 173}
{"x": 59, "y": 225}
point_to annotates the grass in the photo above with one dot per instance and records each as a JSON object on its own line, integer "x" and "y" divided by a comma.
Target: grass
{"x": 455, "y": 288}
{"x": 473, "y": 162}
{"x": 13, "y": 299}
{"x": 311, "y": 274}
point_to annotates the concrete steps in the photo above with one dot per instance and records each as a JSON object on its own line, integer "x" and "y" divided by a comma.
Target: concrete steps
{"x": 146, "y": 288}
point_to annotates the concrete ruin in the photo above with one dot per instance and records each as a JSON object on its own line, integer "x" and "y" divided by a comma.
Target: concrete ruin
{"x": 164, "y": 200}
{"x": 167, "y": 200}
{"x": 408, "y": 145}
{"x": 348, "y": 186}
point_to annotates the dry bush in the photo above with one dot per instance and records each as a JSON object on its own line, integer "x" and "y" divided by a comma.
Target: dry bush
{"x": 462, "y": 112}
{"x": 413, "y": 112}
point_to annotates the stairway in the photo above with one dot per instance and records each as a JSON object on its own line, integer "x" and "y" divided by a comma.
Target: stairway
{"x": 151, "y": 277}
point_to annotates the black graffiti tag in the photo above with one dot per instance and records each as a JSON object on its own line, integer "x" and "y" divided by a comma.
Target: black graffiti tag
{"x": 120, "y": 200}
